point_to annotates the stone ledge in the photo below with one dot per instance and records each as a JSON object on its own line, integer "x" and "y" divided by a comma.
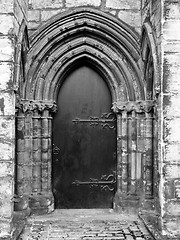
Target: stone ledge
{"x": 18, "y": 223}
{"x": 152, "y": 221}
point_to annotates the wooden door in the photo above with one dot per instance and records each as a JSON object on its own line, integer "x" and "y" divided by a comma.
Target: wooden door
{"x": 84, "y": 143}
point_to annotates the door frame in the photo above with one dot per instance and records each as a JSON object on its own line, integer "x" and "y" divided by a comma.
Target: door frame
{"x": 114, "y": 52}
{"x": 76, "y": 120}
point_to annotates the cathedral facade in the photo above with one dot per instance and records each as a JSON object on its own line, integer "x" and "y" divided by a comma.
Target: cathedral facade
{"x": 90, "y": 99}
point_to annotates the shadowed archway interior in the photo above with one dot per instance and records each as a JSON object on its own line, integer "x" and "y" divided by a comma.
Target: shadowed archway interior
{"x": 111, "y": 48}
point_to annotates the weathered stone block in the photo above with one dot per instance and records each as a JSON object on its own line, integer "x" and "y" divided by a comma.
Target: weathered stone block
{"x": 47, "y": 14}
{"x": 7, "y": 6}
{"x": 6, "y": 186}
{"x": 133, "y": 18}
{"x": 172, "y": 62}
{"x": 169, "y": 192}
{"x": 77, "y": 3}
{"x": 6, "y": 206}
{"x": 173, "y": 208}
{"x": 34, "y": 15}
{"x": 172, "y": 152}
{"x": 7, "y": 150}
{"x": 172, "y": 10}
{"x": 7, "y": 104}
{"x": 172, "y": 47}
{"x": 6, "y": 49}
{"x": 171, "y": 30}
{"x": 172, "y": 171}
{"x": 40, "y": 4}
{"x": 123, "y": 4}
{"x": 172, "y": 227}
{"x": 171, "y": 105}
{"x": 6, "y": 71}
{"x": 6, "y": 169}
{"x": 6, "y": 24}
{"x": 172, "y": 129}
{"x": 7, "y": 126}
{"x": 28, "y": 171}
{"x": 33, "y": 25}
{"x": 5, "y": 229}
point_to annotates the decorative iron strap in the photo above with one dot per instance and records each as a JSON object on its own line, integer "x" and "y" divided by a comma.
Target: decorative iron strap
{"x": 106, "y": 182}
{"x": 106, "y": 120}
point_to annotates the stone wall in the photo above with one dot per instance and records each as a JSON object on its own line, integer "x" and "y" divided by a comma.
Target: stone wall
{"x": 163, "y": 17}
{"x": 20, "y": 14}
{"x": 151, "y": 24}
{"x": 12, "y": 14}
{"x": 171, "y": 117}
{"x": 7, "y": 119}
{"x": 126, "y": 10}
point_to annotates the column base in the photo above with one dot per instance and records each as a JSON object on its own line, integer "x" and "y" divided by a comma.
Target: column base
{"x": 126, "y": 204}
{"x": 21, "y": 203}
{"x": 41, "y": 203}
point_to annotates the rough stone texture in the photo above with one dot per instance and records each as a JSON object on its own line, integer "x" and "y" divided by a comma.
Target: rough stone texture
{"x": 168, "y": 49}
{"x": 133, "y": 18}
{"x": 9, "y": 27}
{"x": 128, "y": 11}
{"x": 5, "y": 22}
{"x": 40, "y": 4}
{"x": 7, "y": 6}
{"x": 85, "y": 224}
{"x": 171, "y": 115}
{"x": 167, "y": 45}
{"x": 6, "y": 118}
{"x": 6, "y": 46}
{"x": 77, "y": 3}
{"x": 45, "y": 15}
{"x": 124, "y": 4}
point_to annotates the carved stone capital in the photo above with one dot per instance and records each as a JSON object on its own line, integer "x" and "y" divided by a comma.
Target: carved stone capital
{"x": 35, "y": 105}
{"x": 137, "y": 106}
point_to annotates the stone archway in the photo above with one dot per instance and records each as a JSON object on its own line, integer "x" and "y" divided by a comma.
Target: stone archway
{"x": 112, "y": 48}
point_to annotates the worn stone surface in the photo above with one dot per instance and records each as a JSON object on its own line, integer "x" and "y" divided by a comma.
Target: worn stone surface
{"x": 77, "y": 3}
{"x": 45, "y": 4}
{"x": 163, "y": 17}
{"x": 45, "y": 15}
{"x": 85, "y": 224}
{"x": 48, "y": 9}
{"x": 7, "y": 119}
{"x": 7, "y": 6}
{"x": 171, "y": 117}
{"x": 129, "y": 4}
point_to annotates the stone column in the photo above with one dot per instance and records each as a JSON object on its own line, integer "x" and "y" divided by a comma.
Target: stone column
{"x": 135, "y": 158}
{"x": 34, "y": 158}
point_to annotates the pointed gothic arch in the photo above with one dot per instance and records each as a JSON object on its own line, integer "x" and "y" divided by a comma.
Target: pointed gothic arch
{"x": 112, "y": 48}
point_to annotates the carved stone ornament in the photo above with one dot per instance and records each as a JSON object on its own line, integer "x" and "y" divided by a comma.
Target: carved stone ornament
{"x": 32, "y": 105}
{"x": 137, "y": 106}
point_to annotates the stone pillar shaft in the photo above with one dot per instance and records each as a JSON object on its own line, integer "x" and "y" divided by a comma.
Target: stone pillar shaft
{"x": 135, "y": 150}
{"x": 34, "y": 156}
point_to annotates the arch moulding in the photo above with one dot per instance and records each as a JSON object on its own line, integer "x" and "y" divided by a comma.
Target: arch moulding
{"x": 87, "y": 35}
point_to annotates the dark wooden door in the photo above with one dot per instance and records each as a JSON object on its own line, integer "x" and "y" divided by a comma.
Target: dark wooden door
{"x": 84, "y": 143}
